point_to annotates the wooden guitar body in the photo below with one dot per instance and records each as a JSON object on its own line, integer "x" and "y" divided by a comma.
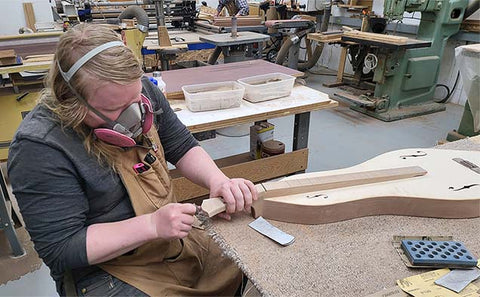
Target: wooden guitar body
{"x": 412, "y": 182}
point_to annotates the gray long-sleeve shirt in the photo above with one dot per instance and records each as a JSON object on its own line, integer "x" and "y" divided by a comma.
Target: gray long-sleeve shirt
{"x": 61, "y": 189}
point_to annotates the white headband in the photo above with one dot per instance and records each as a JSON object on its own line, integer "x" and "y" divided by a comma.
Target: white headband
{"x": 68, "y": 75}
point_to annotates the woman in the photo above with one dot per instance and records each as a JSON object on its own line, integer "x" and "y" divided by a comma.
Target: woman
{"x": 88, "y": 168}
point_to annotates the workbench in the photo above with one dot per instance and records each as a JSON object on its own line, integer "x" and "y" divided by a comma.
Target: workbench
{"x": 39, "y": 67}
{"x": 236, "y": 48}
{"x": 300, "y": 103}
{"x": 348, "y": 258}
{"x": 175, "y": 79}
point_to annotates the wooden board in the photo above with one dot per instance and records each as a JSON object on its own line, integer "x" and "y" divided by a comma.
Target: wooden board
{"x": 376, "y": 37}
{"x": 10, "y": 53}
{"x": 322, "y": 37}
{"x": 35, "y": 66}
{"x": 8, "y": 58}
{"x": 38, "y": 58}
{"x": 241, "y": 21}
{"x": 253, "y": 170}
{"x": 306, "y": 185}
{"x": 226, "y": 39}
{"x": 163, "y": 37}
{"x": 302, "y": 99}
{"x": 435, "y": 194}
{"x": 175, "y": 79}
{"x": 31, "y": 36}
{"x": 470, "y": 25}
{"x": 29, "y": 16}
{"x": 355, "y": 7}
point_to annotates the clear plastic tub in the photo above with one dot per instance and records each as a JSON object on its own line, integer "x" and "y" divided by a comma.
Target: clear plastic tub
{"x": 213, "y": 96}
{"x": 267, "y": 86}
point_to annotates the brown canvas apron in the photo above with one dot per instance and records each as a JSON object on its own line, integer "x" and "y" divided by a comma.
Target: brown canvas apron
{"x": 192, "y": 266}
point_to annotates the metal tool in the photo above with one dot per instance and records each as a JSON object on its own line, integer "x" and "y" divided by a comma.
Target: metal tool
{"x": 467, "y": 164}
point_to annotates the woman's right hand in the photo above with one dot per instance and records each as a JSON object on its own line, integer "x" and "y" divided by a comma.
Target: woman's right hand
{"x": 173, "y": 220}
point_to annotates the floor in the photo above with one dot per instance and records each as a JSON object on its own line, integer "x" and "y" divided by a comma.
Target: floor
{"x": 338, "y": 138}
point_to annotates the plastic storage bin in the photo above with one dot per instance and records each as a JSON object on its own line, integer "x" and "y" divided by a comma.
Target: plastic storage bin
{"x": 267, "y": 86}
{"x": 212, "y": 96}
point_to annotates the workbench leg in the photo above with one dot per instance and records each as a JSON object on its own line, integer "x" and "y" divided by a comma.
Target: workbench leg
{"x": 7, "y": 222}
{"x": 300, "y": 130}
{"x": 293, "y": 53}
{"x": 341, "y": 69}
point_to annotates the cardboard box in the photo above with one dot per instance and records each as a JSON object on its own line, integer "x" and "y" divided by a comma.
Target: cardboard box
{"x": 258, "y": 134}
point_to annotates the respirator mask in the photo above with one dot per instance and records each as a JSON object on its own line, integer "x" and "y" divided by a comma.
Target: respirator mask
{"x": 133, "y": 121}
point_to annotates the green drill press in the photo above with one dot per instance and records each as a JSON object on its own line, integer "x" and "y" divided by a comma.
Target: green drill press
{"x": 406, "y": 75}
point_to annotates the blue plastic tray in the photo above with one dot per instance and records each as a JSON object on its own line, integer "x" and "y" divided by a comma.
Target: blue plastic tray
{"x": 425, "y": 252}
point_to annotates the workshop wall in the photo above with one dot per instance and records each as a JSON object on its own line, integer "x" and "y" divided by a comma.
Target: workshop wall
{"x": 13, "y": 17}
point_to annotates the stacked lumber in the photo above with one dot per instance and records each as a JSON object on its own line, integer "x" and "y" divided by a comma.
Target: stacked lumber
{"x": 376, "y": 37}
{"x": 8, "y": 57}
{"x": 329, "y": 36}
{"x": 241, "y": 21}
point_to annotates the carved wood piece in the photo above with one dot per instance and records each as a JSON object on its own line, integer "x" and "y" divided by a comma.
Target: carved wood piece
{"x": 448, "y": 190}
{"x": 213, "y": 206}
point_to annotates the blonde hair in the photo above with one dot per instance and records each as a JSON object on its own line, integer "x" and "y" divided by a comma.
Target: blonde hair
{"x": 117, "y": 64}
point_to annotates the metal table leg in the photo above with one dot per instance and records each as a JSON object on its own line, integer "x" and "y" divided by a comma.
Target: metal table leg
{"x": 293, "y": 53}
{"x": 7, "y": 222}
{"x": 300, "y": 130}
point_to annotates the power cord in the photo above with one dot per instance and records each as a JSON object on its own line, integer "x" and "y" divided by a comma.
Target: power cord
{"x": 449, "y": 93}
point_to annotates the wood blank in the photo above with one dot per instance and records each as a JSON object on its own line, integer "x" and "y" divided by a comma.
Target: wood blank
{"x": 305, "y": 185}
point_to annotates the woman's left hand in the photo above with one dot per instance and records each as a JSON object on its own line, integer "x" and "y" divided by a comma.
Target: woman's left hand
{"x": 237, "y": 193}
